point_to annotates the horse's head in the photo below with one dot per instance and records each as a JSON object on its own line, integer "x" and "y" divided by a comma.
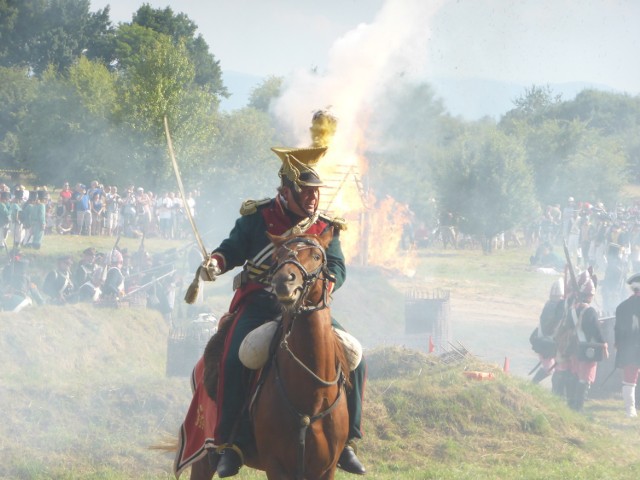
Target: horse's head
{"x": 299, "y": 271}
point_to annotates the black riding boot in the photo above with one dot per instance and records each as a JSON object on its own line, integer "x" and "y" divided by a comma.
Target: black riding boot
{"x": 230, "y": 461}
{"x": 348, "y": 460}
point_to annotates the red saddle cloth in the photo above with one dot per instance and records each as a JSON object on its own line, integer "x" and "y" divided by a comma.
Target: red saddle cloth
{"x": 196, "y": 432}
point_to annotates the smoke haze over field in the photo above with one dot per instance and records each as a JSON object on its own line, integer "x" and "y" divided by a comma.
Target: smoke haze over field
{"x": 531, "y": 41}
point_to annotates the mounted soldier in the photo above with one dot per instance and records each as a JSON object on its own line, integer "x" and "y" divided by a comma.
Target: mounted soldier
{"x": 292, "y": 210}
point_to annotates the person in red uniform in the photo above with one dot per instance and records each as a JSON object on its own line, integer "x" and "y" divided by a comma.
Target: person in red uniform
{"x": 589, "y": 347}
{"x": 627, "y": 342}
{"x": 293, "y": 210}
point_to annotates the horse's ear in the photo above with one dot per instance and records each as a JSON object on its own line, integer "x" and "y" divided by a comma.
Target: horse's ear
{"x": 277, "y": 240}
{"x": 326, "y": 237}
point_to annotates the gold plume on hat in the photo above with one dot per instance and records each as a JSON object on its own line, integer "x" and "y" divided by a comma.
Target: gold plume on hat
{"x": 323, "y": 128}
{"x": 298, "y": 163}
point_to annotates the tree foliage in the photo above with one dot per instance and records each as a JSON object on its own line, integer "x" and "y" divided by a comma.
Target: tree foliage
{"x": 406, "y": 129}
{"x": 183, "y": 30}
{"x": 39, "y": 33}
{"x": 485, "y": 181}
{"x": 265, "y": 93}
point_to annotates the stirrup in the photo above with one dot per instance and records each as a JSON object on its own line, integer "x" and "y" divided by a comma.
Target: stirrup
{"x": 231, "y": 459}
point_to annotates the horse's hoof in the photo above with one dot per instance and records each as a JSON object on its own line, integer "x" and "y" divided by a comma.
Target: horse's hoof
{"x": 229, "y": 463}
{"x": 349, "y": 462}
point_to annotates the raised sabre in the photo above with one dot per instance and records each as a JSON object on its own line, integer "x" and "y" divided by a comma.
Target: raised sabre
{"x": 192, "y": 291}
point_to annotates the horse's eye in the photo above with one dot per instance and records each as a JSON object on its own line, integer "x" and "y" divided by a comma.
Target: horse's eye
{"x": 317, "y": 257}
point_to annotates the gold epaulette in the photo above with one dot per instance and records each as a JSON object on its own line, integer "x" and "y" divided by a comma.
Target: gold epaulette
{"x": 250, "y": 207}
{"x": 337, "y": 222}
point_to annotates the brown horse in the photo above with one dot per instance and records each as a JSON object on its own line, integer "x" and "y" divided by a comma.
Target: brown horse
{"x": 299, "y": 415}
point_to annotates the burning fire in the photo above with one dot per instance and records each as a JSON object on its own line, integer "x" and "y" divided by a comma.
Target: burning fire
{"x": 375, "y": 226}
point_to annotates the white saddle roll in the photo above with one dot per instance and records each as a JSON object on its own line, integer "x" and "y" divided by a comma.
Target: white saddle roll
{"x": 352, "y": 348}
{"x": 254, "y": 349}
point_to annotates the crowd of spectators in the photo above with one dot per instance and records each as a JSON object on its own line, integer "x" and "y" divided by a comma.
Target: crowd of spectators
{"x": 93, "y": 210}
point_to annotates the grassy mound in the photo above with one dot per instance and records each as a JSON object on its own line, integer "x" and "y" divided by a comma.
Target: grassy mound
{"x": 84, "y": 391}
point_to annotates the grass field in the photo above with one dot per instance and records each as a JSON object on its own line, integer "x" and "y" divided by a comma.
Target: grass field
{"x": 84, "y": 391}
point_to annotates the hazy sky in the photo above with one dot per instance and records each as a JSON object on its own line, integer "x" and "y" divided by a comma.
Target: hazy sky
{"x": 521, "y": 41}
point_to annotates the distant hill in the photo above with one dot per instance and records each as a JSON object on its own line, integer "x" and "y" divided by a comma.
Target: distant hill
{"x": 475, "y": 98}
{"x": 471, "y": 99}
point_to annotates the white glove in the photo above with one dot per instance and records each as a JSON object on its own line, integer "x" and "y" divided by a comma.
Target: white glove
{"x": 210, "y": 270}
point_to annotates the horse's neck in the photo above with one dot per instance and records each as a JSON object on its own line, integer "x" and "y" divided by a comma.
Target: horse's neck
{"x": 312, "y": 340}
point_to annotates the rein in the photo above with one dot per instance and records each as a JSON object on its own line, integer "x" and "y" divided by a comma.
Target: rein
{"x": 308, "y": 280}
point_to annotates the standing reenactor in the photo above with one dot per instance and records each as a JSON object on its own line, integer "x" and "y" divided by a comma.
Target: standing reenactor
{"x": 613, "y": 281}
{"x": 25, "y": 217}
{"x": 541, "y": 339}
{"x": 5, "y": 218}
{"x": 38, "y": 218}
{"x": 590, "y": 346}
{"x": 627, "y": 342}
{"x": 16, "y": 215}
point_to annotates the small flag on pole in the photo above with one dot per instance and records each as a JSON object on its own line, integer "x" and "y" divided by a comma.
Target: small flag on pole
{"x": 432, "y": 347}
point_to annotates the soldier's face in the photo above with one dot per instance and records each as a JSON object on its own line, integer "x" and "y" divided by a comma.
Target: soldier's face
{"x": 304, "y": 203}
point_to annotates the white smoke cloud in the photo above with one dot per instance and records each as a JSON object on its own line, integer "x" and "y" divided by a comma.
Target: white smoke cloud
{"x": 360, "y": 65}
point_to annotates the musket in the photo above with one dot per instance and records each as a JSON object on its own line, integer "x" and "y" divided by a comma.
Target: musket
{"x": 148, "y": 284}
{"x": 572, "y": 273}
{"x": 108, "y": 263}
{"x": 534, "y": 368}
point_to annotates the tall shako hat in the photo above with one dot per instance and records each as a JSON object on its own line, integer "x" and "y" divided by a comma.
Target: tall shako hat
{"x": 298, "y": 163}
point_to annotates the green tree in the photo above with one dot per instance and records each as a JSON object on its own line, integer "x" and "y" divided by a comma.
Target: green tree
{"x": 405, "y": 130}
{"x": 265, "y": 93}
{"x": 183, "y": 30}
{"x": 485, "y": 181}
{"x": 596, "y": 170}
{"x": 62, "y": 139}
{"x": 533, "y": 107}
{"x": 243, "y": 157}
{"x": 96, "y": 87}
{"x": 17, "y": 91}
{"x": 39, "y": 33}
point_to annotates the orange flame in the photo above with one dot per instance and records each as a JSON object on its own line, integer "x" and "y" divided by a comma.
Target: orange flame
{"x": 375, "y": 226}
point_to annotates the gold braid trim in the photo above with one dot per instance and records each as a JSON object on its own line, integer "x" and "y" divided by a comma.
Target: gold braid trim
{"x": 337, "y": 222}
{"x": 250, "y": 207}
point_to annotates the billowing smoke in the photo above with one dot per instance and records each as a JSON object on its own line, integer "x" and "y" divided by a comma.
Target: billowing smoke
{"x": 360, "y": 65}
